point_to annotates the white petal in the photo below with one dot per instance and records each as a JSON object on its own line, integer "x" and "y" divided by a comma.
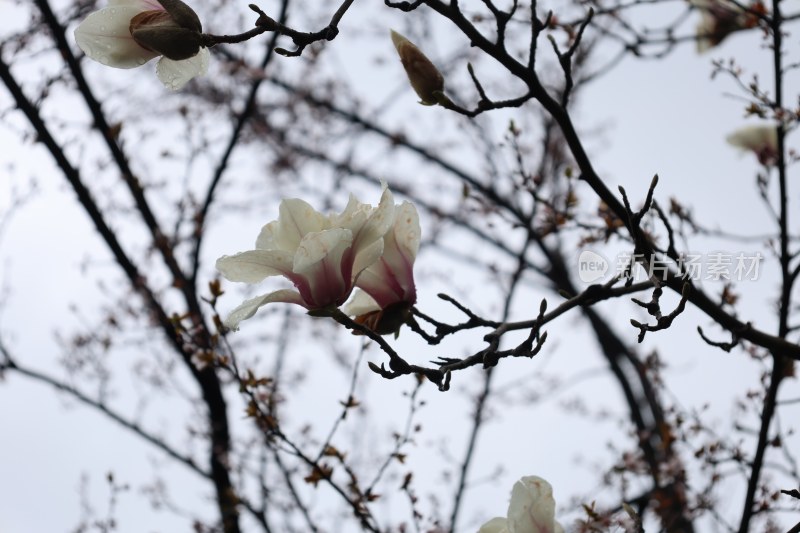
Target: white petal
{"x": 380, "y": 220}
{"x": 354, "y": 215}
{"x": 105, "y": 37}
{"x": 255, "y": 265}
{"x": 318, "y": 245}
{"x": 176, "y": 74}
{"x": 361, "y": 304}
{"x": 495, "y": 525}
{"x": 249, "y": 307}
{"x": 532, "y": 508}
{"x": 296, "y": 219}
{"x": 266, "y": 238}
{"x": 754, "y": 138}
{"x": 704, "y": 29}
{"x": 406, "y": 230}
{"x": 366, "y": 257}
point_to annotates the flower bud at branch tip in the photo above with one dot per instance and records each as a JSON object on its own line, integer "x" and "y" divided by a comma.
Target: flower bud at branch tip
{"x": 425, "y": 78}
{"x": 129, "y": 33}
{"x": 158, "y": 31}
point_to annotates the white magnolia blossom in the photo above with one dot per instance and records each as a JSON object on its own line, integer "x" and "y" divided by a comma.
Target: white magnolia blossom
{"x": 106, "y": 37}
{"x": 425, "y": 78}
{"x": 390, "y": 280}
{"x": 718, "y": 19}
{"x": 322, "y": 255}
{"x": 386, "y": 290}
{"x": 532, "y": 510}
{"x": 761, "y": 140}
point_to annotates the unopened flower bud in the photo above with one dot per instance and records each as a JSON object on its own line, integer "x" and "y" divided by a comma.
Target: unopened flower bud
{"x": 129, "y": 33}
{"x": 160, "y": 32}
{"x": 425, "y": 78}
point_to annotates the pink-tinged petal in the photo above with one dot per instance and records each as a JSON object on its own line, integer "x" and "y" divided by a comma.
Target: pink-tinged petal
{"x": 391, "y": 278}
{"x": 495, "y": 525}
{"x": 255, "y": 265}
{"x": 319, "y": 245}
{"x": 382, "y": 285}
{"x": 532, "y": 508}
{"x": 249, "y": 307}
{"x": 175, "y": 74}
{"x": 319, "y": 260}
{"x": 360, "y": 304}
{"x": 296, "y": 218}
{"x": 105, "y": 37}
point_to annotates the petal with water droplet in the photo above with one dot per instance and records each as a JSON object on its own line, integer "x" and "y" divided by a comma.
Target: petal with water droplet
{"x": 105, "y": 37}
{"x": 175, "y": 74}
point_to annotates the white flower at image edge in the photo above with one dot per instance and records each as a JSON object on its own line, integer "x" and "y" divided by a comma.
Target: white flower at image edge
{"x": 532, "y": 510}
{"x": 105, "y": 37}
{"x": 322, "y": 255}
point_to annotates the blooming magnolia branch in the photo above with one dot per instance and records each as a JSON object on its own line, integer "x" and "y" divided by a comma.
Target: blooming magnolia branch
{"x": 129, "y": 33}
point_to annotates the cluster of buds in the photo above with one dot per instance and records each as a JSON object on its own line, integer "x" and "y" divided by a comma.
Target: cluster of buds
{"x": 327, "y": 256}
{"x": 129, "y": 33}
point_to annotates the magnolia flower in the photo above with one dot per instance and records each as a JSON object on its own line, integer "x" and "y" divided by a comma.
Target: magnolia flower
{"x": 322, "y": 255}
{"x": 718, "y": 19}
{"x": 761, "y": 140}
{"x": 386, "y": 288}
{"x": 532, "y": 510}
{"x": 425, "y": 78}
{"x": 129, "y": 33}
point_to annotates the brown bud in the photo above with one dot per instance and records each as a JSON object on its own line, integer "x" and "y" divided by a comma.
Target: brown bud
{"x": 160, "y": 32}
{"x": 183, "y": 15}
{"x": 425, "y": 78}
